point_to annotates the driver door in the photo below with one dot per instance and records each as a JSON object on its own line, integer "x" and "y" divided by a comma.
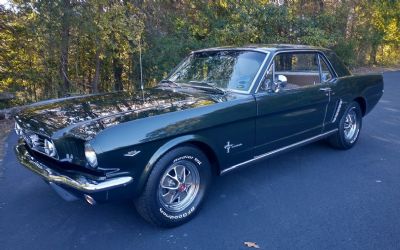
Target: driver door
{"x": 291, "y": 111}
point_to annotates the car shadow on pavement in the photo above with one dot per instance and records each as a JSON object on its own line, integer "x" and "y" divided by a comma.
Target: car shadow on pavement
{"x": 37, "y": 195}
{"x": 32, "y": 208}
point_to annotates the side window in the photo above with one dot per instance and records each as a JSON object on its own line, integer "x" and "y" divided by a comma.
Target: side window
{"x": 294, "y": 70}
{"x": 296, "y": 63}
{"x": 326, "y": 75}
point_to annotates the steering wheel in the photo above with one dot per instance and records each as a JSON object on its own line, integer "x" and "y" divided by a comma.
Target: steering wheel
{"x": 242, "y": 82}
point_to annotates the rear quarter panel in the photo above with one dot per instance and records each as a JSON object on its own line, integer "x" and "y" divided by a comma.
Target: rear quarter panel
{"x": 372, "y": 89}
{"x": 368, "y": 87}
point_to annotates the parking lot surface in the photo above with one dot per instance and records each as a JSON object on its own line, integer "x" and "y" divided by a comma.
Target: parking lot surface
{"x": 314, "y": 197}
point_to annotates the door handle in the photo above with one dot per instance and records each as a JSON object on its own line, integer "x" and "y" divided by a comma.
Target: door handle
{"x": 325, "y": 89}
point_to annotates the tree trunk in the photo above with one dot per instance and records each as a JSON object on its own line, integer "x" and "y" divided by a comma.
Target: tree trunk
{"x": 350, "y": 19}
{"x": 117, "y": 68}
{"x": 96, "y": 80}
{"x": 99, "y": 62}
{"x": 64, "y": 47}
{"x": 374, "y": 51}
{"x": 321, "y": 5}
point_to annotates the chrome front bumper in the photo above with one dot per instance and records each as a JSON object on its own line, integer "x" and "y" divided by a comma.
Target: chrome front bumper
{"x": 79, "y": 183}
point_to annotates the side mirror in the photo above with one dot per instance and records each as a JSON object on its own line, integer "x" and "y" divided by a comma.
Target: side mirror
{"x": 279, "y": 83}
{"x": 281, "y": 79}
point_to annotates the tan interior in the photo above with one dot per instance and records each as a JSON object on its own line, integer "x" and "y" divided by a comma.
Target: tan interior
{"x": 300, "y": 79}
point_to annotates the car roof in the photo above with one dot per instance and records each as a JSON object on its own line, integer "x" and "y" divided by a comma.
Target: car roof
{"x": 265, "y": 47}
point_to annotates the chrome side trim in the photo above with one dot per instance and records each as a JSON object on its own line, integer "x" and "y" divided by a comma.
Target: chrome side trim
{"x": 80, "y": 183}
{"x": 339, "y": 107}
{"x": 280, "y": 150}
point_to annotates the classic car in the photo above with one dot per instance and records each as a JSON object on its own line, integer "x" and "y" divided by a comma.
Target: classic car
{"x": 219, "y": 110}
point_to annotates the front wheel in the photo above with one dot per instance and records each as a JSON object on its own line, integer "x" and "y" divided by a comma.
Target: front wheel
{"x": 175, "y": 188}
{"x": 349, "y": 128}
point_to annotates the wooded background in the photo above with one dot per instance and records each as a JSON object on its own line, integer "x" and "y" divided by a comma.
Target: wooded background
{"x": 51, "y": 48}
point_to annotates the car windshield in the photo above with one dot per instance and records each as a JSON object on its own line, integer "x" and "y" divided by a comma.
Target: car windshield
{"x": 227, "y": 69}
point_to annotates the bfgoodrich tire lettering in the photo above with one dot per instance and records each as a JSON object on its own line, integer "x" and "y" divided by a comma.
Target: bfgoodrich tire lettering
{"x": 175, "y": 188}
{"x": 349, "y": 128}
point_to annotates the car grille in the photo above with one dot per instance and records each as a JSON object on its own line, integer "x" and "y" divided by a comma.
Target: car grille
{"x": 72, "y": 148}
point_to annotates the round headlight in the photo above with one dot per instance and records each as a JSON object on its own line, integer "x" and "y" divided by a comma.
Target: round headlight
{"x": 90, "y": 155}
{"x": 49, "y": 148}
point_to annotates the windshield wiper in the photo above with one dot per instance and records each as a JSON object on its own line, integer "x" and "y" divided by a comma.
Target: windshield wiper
{"x": 207, "y": 86}
{"x": 170, "y": 83}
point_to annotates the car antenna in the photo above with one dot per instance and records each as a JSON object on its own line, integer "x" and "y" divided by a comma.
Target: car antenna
{"x": 141, "y": 69}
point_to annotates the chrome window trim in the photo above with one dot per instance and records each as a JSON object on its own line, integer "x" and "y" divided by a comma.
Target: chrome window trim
{"x": 301, "y": 73}
{"x": 331, "y": 68}
{"x": 320, "y": 69}
{"x": 234, "y": 49}
{"x": 279, "y": 150}
{"x": 255, "y": 77}
{"x": 333, "y": 73}
{"x": 319, "y": 52}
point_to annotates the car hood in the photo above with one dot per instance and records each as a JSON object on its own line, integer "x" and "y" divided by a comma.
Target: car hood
{"x": 85, "y": 116}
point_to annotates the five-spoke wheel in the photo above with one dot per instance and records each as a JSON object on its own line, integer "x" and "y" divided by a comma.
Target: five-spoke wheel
{"x": 349, "y": 128}
{"x": 179, "y": 186}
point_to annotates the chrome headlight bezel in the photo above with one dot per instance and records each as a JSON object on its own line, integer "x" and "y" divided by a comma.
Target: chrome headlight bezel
{"x": 50, "y": 148}
{"x": 18, "y": 129}
{"x": 90, "y": 155}
{"x": 39, "y": 143}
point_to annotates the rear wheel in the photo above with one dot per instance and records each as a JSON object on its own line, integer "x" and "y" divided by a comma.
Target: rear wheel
{"x": 349, "y": 128}
{"x": 175, "y": 188}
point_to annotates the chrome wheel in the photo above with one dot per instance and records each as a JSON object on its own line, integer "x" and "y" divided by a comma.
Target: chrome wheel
{"x": 179, "y": 186}
{"x": 351, "y": 127}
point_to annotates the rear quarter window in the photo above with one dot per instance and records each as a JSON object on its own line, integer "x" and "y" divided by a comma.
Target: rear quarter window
{"x": 337, "y": 64}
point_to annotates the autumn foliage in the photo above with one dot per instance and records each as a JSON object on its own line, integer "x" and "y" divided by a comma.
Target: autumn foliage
{"x": 53, "y": 48}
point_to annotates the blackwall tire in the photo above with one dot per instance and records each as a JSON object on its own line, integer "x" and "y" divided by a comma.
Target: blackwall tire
{"x": 349, "y": 128}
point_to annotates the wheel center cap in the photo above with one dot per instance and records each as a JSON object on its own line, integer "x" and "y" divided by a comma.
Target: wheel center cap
{"x": 182, "y": 187}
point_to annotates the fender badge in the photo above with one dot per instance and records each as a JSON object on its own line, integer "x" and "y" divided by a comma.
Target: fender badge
{"x": 229, "y": 146}
{"x": 132, "y": 153}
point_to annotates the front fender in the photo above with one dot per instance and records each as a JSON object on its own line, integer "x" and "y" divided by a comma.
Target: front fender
{"x": 164, "y": 149}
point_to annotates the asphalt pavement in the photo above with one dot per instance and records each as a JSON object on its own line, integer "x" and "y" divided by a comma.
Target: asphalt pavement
{"x": 314, "y": 197}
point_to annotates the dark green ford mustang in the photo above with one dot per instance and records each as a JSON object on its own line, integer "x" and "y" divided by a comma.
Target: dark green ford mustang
{"x": 220, "y": 109}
